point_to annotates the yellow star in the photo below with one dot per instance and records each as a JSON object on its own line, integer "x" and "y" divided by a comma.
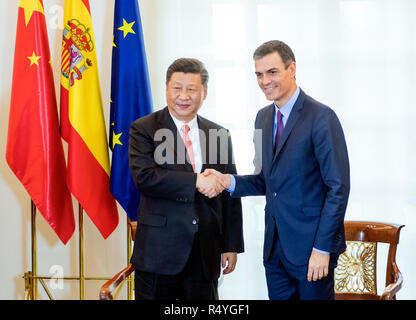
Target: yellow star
{"x": 116, "y": 139}
{"x": 29, "y": 6}
{"x": 34, "y": 59}
{"x": 114, "y": 45}
{"x": 127, "y": 28}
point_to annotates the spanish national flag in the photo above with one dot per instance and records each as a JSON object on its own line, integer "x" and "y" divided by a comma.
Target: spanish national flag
{"x": 82, "y": 119}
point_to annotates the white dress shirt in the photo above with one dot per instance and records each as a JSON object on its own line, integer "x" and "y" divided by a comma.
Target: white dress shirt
{"x": 194, "y": 136}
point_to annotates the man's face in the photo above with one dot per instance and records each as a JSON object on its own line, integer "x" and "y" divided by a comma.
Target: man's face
{"x": 185, "y": 94}
{"x": 277, "y": 82}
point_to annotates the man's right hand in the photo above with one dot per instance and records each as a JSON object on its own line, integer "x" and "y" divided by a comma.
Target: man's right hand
{"x": 223, "y": 182}
{"x": 209, "y": 182}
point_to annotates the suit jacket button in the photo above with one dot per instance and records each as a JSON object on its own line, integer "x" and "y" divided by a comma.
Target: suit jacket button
{"x": 274, "y": 194}
{"x": 194, "y": 221}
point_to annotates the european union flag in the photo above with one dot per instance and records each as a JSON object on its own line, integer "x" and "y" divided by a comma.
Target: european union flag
{"x": 130, "y": 99}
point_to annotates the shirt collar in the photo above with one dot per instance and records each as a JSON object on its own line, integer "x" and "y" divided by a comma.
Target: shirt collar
{"x": 288, "y": 106}
{"x": 193, "y": 124}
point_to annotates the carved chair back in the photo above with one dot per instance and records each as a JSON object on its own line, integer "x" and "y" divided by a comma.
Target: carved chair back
{"x": 355, "y": 275}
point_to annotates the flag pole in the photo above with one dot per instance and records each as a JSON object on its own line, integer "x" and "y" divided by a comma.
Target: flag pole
{"x": 81, "y": 254}
{"x": 129, "y": 283}
{"x": 34, "y": 256}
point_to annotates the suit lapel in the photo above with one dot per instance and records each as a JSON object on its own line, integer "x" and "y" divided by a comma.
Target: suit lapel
{"x": 293, "y": 118}
{"x": 268, "y": 134}
{"x": 166, "y": 122}
{"x": 204, "y": 141}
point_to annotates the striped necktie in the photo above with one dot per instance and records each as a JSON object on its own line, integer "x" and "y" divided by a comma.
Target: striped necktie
{"x": 188, "y": 144}
{"x": 279, "y": 129}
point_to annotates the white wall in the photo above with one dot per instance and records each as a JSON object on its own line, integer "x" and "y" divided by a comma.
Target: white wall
{"x": 357, "y": 56}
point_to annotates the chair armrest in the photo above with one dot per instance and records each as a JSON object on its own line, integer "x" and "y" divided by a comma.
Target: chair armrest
{"x": 106, "y": 292}
{"x": 389, "y": 293}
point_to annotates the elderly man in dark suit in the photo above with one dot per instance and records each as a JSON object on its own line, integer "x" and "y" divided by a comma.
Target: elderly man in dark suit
{"x": 302, "y": 168}
{"x": 183, "y": 238}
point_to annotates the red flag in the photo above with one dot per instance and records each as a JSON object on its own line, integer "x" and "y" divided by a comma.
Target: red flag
{"x": 82, "y": 119}
{"x": 34, "y": 147}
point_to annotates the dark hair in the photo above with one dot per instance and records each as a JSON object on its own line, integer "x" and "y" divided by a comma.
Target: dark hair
{"x": 188, "y": 65}
{"x": 280, "y": 47}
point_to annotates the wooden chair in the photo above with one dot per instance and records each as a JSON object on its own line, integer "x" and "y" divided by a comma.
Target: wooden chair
{"x": 107, "y": 290}
{"x": 355, "y": 275}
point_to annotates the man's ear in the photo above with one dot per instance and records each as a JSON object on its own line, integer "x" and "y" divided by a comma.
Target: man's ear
{"x": 292, "y": 68}
{"x": 205, "y": 91}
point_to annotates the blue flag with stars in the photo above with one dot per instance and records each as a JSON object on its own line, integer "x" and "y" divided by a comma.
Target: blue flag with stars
{"x": 130, "y": 99}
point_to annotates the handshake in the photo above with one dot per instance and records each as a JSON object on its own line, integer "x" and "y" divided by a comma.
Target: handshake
{"x": 211, "y": 182}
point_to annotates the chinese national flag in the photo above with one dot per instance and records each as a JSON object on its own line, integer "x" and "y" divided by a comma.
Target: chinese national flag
{"x": 34, "y": 147}
{"x": 82, "y": 119}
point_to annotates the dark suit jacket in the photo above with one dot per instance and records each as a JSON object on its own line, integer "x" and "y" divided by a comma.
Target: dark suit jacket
{"x": 171, "y": 210}
{"x": 306, "y": 182}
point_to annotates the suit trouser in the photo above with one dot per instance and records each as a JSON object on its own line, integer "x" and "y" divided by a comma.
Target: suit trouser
{"x": 190, "y": 284}
{"x": 286, "y": 281}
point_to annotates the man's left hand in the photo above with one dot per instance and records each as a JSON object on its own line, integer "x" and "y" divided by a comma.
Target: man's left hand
{"x": 318, "y": 266}
{"x": 228, "y": 262}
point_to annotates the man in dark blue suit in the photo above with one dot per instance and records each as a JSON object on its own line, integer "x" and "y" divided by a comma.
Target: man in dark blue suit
{"x": 302, "y": 168}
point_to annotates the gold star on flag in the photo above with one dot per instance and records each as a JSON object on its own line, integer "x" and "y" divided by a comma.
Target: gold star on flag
{"x": 127, "y": 28}
{"x": 29, "y": 6}
{"x": 114, "y": 45}
{"x": 116, "y": 139}
{"x": 34, "y": 59}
